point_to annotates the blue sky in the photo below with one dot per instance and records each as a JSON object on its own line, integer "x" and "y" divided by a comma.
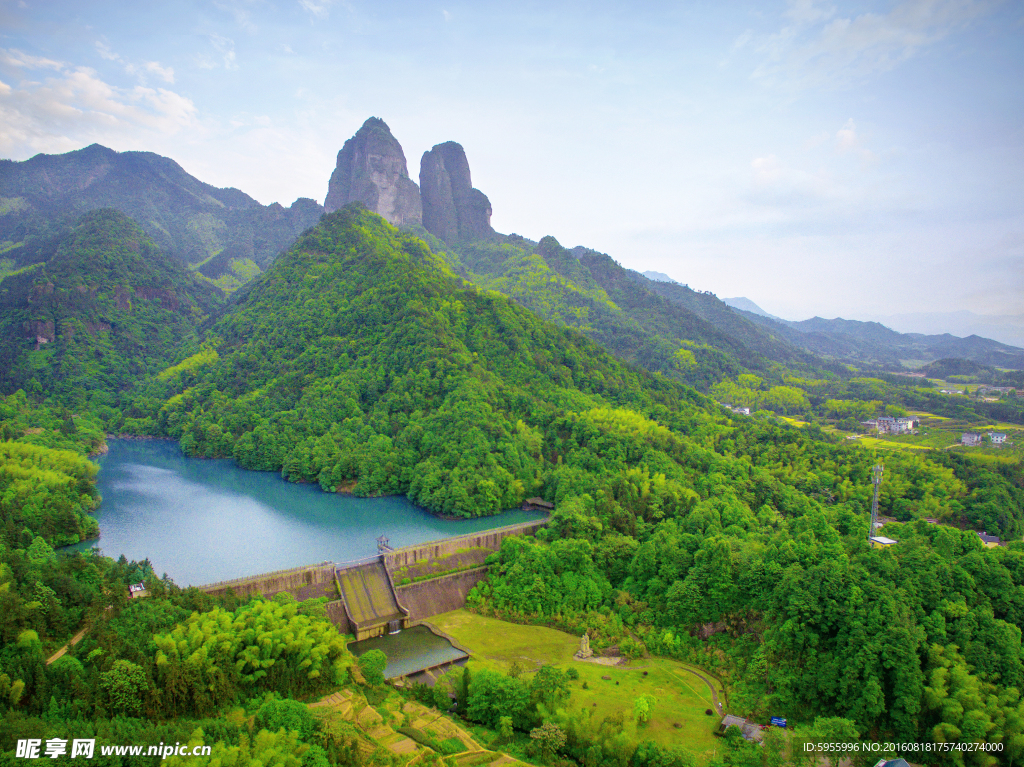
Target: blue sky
{"x": 831, "y": 158}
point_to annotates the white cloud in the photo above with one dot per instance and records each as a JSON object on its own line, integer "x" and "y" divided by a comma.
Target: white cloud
{"x": 225, "y": 48}
{"x": 242, "y": 16}
{"x": 164, "y": 73}
{"x": 849, "y": 141}
{"x": 808, "y": 11}
{"x": 105, "y": 52}
{"x": 20, "y": 60}
{"x": 742, "y": 40}
{"x": 447, "y": 16}
{"x": 321, "y": 9}
{"x": 75, "y": 106}
{"x": 767, "y": 170}
{"x": 819, "y": 48}
{"x": 140, "y": 71}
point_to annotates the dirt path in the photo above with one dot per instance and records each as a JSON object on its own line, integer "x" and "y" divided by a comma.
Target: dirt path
{"x": 73, "y": 641}
{"x": 714, "y": 693}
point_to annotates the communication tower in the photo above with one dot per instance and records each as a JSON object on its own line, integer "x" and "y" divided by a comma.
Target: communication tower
{"x": 876, "y": 480}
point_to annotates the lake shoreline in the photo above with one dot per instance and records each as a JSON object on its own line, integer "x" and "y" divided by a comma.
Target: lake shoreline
{"x": 209, "y": 520}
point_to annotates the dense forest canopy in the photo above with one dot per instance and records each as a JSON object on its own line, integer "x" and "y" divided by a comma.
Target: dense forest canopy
{"x": 363, "y": 360}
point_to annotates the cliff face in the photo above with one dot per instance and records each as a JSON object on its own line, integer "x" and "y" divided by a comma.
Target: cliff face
{"x": 452, "y": 209}
{"x": 371, "y": 169}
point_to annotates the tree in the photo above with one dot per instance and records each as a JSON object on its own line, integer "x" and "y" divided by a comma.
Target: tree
{"x": 290, "y": 715}
{"x": 493, "y": 695}
{"x": 549, "y": 738}
{"x": 549, "y": 687}
{"x": 39, "y": 552}
{"x": 372, "y": 664}
{"x": 505, "y": 730}
{"x": 834, "y": 729}
{"x": 126, "y": 684}
{"x": 643, "y": 707}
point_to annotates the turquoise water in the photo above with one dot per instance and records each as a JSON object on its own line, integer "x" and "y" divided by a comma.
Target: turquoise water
{"x": 410, "y": 650}
{"x": 201, "y": 520}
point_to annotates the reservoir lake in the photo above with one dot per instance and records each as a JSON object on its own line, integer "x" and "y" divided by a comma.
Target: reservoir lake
{"x": 205, "y": 520}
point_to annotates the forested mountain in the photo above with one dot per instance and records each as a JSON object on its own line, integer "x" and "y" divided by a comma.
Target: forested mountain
{"x": 224, "y": 231}
{"x": 665, "y": 328}
{"x": 871, "y": 344}
{"x": 107, "y": 309}
{"x": 360, "y": 359}
{"x": 462, "y": 375}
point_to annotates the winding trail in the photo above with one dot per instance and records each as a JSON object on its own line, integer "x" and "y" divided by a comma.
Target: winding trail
{"x": 714, "y": 692}
{"x": 71, "y": 643}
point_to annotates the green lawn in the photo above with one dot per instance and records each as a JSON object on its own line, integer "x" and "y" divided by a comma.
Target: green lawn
{"x": 885, "y": 444}
{"x": 679, "y": 716}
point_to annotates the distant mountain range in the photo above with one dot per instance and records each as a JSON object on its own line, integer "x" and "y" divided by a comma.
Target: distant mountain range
{"x": 225, "y": 233}
{"x": 1006, "y": 328}
{"x": 872, "y": 343}
{"x": 650, "y": 319}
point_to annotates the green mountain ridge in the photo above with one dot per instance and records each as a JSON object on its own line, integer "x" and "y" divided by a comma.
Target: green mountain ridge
{"x": 360, "y": 360}
{"x": 189, "y": 220}
{"x": 363, "y": 361}
{"x": 107, "y": 309}
{"x": 675, "y": 333}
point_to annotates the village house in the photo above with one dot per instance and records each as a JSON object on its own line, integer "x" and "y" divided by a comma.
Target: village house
{"x": 997, "y": 437}
{"x": 996, "y": 390}
{"x": 881, "y": 542}
{"x": 990, "y": 541}
{"x": 887, "y": 424}
{"x": 538, "y": 504}
{"x": 970, "y": 439}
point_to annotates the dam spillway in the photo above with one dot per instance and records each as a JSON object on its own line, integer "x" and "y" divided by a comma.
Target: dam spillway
{"x": 369, "y": 596}
{"x": 364, "y": 596}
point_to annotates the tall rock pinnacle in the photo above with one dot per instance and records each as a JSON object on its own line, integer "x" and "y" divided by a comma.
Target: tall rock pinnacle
{"x": 371, "y": 169}
{"x": 452, "y": 209}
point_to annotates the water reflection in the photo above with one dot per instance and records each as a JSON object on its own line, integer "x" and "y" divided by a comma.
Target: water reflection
{"x": 203, "y": 520}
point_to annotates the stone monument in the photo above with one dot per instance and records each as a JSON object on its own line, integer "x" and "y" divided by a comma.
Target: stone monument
{"x": 584, "y": 652}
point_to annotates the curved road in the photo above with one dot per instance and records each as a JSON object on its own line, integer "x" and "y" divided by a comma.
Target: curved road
{"x": 714, "y": 692}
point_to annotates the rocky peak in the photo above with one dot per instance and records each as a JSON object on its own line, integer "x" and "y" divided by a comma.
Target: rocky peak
{"x": 371, "y": 168}
{"x": 452, "y": 209}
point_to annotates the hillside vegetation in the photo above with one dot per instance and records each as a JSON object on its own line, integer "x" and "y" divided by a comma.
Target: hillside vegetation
{"x": 361, "y": 356}
{"x": 108, "y": 309}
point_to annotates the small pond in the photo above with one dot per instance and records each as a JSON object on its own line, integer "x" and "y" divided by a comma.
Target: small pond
{"x": 410, "y": 650}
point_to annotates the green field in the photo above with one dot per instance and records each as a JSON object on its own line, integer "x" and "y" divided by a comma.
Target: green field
{"x": 886, "y": 444}
{"x": 679, "y": 715}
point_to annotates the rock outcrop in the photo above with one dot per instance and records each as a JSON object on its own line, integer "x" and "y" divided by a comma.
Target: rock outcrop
{"x": 452, "y": 209}
{"x": 371, "y": 169}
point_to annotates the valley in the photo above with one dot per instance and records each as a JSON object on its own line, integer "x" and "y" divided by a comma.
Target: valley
{"x": 415, "y": 374}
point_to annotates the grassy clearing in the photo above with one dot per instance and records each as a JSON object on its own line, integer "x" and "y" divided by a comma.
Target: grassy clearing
{"x": 679, "y": 715}
{"x": 884, "y": 444}
{"x": 792, "y": 421}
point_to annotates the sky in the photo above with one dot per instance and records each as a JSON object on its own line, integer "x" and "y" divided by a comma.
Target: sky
{"x": 827, "y": 158}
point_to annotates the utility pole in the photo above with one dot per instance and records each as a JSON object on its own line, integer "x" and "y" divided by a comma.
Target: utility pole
{"x": 876, "y": 480}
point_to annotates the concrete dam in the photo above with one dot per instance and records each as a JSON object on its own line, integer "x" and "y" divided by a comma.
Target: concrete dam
{"x": 363, "y": 597}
